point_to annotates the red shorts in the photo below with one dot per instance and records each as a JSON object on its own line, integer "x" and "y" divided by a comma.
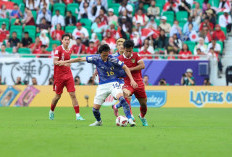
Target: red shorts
{"x": 138, "y": 92}
{"x": 59, "y": 85}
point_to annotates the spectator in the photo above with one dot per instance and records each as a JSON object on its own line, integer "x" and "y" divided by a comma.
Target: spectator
{"x": 152, "y": 24}
{"x": 186, "y": 25}
{"x": 4, "y": 12}
{"x": 150, "y": 46}
{"x": 125, "y": 25}
{"x": 42, "y": 4}
{"x": 162, "y": 40}
{"x": 162, "y": 82}
{"x": 17, "y": 22}
{"x": 112, "y": 30}
{"x": 187, "y": 78}
{"x": 207, "y": 82}
{"x": 140, "y": 6}
{"x": 14, "y": 41}
{"x": 57, "y": 34}
{"x": 97, "y": 8}
{"x": 111, "y": 17}
{"x": 28, "y": 18}
{"x": 224, "y": 5}
{"x": 212, "y": 56}
{"x": 170, "y": 5}
{"x": 218, "y": 34}
{"x": 171, "y": 55}
{"x": 185, "y": 53}
{"x": 176, "y": 29}
{"x": 43, "y": 26}
{"x": 97, "y": 27}
{"x": 34, "y": 81}
{"x": 4, "y": 34}
{"x": 136, "y": 38}
{"x": 36, "y": 47}
{"x": 3, "y": 51}
{"x": 1, "y": 83}
{"x": 43, "y": 37}
{"x": 164, "y": 25}
{"x": 204, "y": 6}
{"x": 54, "y": 46}
{"x": 205, "y": 34}
{"x": 44, "y": 13}
{"x": 211, "y": 13}
{"x": 216, "y": 47}
{"x": 201, "y": 45}
{"x": 125, "y": 6}
{"x": 196, "y": 13}
{"x": 58, "y": 19}
{"x": 177, "y": 41}
{"x": 95, "y": 39}
{"x": 200, "y": 55}
{"x": 79, "y": 48}
{"x": 140, "y": 17}
{"x": 153, "y": 10}
{"x": 77, "y": 81}
{"x": 85, "y": 12}
{"x": 146, "y": 80}
{"x": 190, "y": 35}
{"x": 16, "y": 13}
{"x": 110, "y": 40}
{"x": 145, "y": 52}
{"x": 184, "y": 6}
{"x": 26, "y": 41}
{"x": 91, "y": 49}
{"x": 225, "y": 20}
{"x": 103, "y": 17}
{"x": 91, "y": 81}
{"x": 172, "y": 46}
{"x": 70, "y": 20}
{"x": 31, "y": 4}
{"x": 80, "y": 32}
{"x": 43, "y": 53}
{"x": 18, "y": 81}
{"x": 206, "y": 23}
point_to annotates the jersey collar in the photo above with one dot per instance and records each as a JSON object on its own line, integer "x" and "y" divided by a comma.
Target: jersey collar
{"x": 64, "y": 48}
{"x": 129, "y": 57}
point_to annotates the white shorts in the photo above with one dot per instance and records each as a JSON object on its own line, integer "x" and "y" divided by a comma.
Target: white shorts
{"x": 104, "y": 90}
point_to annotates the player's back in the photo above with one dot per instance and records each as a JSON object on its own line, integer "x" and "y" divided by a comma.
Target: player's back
{"x": 132, "y": 62}
{"x": 61, "y": 72}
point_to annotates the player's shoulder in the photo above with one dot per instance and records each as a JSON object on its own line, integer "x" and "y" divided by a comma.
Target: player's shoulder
{"x": 135, "y": 54}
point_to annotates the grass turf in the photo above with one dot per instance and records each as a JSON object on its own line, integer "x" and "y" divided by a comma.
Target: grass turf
{"x": 172, "y": 132}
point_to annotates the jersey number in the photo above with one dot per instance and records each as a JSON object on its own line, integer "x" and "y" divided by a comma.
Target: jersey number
{"x": 110, "y": 73}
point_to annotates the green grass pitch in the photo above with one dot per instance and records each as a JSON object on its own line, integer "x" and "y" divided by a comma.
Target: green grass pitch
{"x": 180, "y": 132}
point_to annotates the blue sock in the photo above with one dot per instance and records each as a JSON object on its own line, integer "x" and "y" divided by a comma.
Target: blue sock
{"x": 118, "y": 105}
{"x": 97, "y": 114}
{"x": 125, "y": 106}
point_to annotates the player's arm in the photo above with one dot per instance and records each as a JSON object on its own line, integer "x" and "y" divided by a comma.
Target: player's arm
{"x": 60, "y": 63}
{"x": 140, "y": 66}
{"x": 127, "y": 70}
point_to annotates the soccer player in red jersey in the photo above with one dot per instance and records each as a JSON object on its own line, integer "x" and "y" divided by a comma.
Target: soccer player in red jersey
{"x": 63, "y": 77}
{"x": 133, "y": 61}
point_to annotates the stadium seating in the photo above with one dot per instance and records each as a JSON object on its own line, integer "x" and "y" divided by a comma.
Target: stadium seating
{"x": 191, "y": 45}
{"x": 7, "y": 21}
{"x": 69, "y": 29}
{"x": 24, "y": 51}
{"x": 214, "y": 3}
{"x": 221, "y": 44}
{"x": 182, "y": 16}
{"x": 57, "y": 42}
{"x": 116, "y": 7}
{"x": 17, "y": 29}
{"x": 9, "y": 49}
{"x": 72, "y": 7}
{"x": 34, "y": 13}
{"x": 59, "y": 6}
{"x": 31, "y": 30}
{"x": 169, "y": 15}
{"x": 86, "y": 22}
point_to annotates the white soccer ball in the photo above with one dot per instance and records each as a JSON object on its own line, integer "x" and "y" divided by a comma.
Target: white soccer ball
{"x": 121, "y": 121}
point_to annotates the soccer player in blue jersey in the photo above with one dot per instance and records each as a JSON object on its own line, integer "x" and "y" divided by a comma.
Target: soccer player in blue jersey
{"x": 107, "y": 67}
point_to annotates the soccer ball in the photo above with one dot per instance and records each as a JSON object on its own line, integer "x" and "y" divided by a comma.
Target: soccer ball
{"x": 121, "y": 121}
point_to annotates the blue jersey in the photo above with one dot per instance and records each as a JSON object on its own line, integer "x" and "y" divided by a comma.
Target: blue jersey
{"x": 120, "y": 73}
{"x": 107, "y": 71}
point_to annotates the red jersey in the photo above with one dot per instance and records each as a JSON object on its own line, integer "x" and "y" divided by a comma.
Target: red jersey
{"x": 91, "y": 50}
{"x": 78, "y": 49}
{"x": 62, "y": 72}
{"x": 57, "y": 34}
{"x": 3, "y": 34}
{"x": 185, "y": 55}
{"x": 37, "y": 48}
{"x": 145, "y": 53}
{"x": 132, "y": 62}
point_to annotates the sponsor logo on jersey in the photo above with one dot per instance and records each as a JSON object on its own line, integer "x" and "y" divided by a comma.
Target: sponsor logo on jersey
{"x": 133, "y": 60}
{"x": 154, "y": 98}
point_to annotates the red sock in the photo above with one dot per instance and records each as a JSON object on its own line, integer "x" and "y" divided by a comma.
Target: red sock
{"x": 127, "y": 100}
{"x": 76, "y": 108}
{"x": 143, "y": 110}
{"x": 53, "y": 107}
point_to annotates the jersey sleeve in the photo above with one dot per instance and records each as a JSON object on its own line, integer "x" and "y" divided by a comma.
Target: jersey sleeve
{"x": 57, "y": 53}
{"x": 138, "y": 58}
{"x": 91, "y": 59}
{"x": 117, "y": 62}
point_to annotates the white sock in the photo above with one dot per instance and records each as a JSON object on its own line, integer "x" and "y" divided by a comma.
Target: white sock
{"x": 78, "y": 114}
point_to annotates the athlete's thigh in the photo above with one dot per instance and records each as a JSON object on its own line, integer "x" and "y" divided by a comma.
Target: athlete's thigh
{"x": 116, "y": 90}
{"x": 70, "y": 85}
{"x": 128, "y": 90}
{"x": 58, "y": 86}
{"x": 102, "y": 93}
{"x": 140, "y": 92}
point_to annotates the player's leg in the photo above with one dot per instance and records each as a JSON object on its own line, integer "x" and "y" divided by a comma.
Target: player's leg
{"x": 58, "y": 88}
{"x": 101, "y": 94}
{"x": 76, "y": 106}
{"x": 70, "y": 85}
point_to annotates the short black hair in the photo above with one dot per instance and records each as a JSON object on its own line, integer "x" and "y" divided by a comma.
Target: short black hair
{"x": 104, "y": 48}
{"x": 43, "y": 46}
{"x": 26, "y": 33}
{"x": 65, "y": 35}
{"x": 128, "y": 44}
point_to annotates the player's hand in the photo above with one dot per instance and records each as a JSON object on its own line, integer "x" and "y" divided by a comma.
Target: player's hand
{"x": 60, "y": 63}
{"x": 134, "y": 84}
{"x": 67, "y": 64}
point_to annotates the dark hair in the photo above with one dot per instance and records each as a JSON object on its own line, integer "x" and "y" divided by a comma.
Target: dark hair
{"x": 43, "y": 46}
{"x": 103, "y": 48}
{"x": 128, "y": 44}
{"x": 65, "y": 35}
{"x": 198, "y": 49}
{"x": 69, "y": 12}
{"x": 26, "y": 33}
{"x": 145, "y": 76}
{"x": 15, "y": 4}
{"x": 14, "y": 32}
{"x": 183, "y": 47}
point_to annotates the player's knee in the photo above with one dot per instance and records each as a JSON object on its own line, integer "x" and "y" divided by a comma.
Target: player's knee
{"x": 58, "y": 96}
{"x": 72, "y": 95}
